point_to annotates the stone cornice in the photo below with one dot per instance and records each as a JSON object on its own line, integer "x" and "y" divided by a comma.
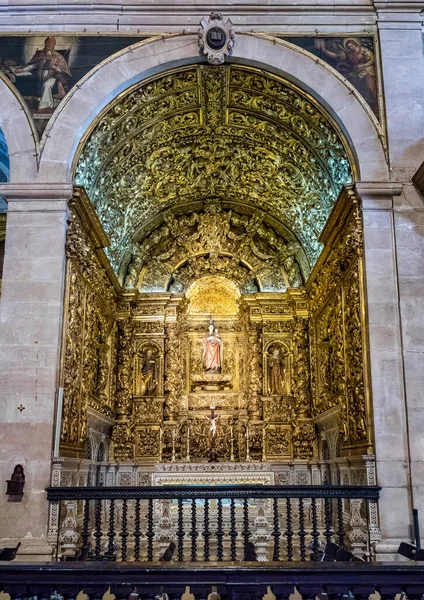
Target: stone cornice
{"x": 36, "y": 192}
{"x": 146, "y": 18}
{"x": 378, "y": 188}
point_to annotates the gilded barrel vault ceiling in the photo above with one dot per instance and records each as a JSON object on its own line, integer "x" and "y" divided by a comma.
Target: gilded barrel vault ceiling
{"x": 203, "y": 149}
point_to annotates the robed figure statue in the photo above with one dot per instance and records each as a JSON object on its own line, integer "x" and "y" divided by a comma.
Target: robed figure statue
{"x": 276, "y": 373}
{"x": 212, "y": 351}
{"x": 149, "y": 375}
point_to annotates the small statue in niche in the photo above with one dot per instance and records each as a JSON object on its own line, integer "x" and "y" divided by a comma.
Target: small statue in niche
{"x": 149, "y": 374}
{"x": 212, "y": 350}
{"x": 276, "y": 373}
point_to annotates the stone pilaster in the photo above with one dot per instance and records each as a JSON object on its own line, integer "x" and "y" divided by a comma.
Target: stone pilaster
{"x": 30, "y": 330}
{"x": 390, "y": 419}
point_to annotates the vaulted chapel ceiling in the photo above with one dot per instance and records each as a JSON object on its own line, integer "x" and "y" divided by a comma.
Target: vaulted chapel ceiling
{"x": 205, "y": 171}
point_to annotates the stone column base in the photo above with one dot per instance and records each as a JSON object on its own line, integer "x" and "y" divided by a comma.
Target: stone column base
{"x": 30, "y": 550}
{"x": 386, "y": 550}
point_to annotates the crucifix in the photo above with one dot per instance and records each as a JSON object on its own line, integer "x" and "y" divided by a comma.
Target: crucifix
{"x": 213, "y": 420}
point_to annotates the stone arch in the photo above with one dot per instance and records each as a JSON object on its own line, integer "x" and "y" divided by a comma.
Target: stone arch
{"x": 133, "y": 64}
{"x": 19, "y": 135}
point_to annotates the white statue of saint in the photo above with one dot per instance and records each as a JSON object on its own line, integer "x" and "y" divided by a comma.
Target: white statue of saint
{"x": 212, "y": 350}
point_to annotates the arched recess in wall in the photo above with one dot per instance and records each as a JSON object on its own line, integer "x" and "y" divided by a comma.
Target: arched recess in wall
{"x": 205, "y": 170}
{"x": 165, "y": 156}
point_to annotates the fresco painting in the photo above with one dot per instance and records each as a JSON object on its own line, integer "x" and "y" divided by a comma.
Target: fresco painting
{"x": 353, "y": 57}
{"x": 44, "y": 68}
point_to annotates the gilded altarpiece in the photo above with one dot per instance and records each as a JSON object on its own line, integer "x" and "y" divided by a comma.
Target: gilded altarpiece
{"x": 337, "y": 329}
{"x": 136, "y": 359}
{"x": 261, "y": 394}
{"x": 90, "y": 330}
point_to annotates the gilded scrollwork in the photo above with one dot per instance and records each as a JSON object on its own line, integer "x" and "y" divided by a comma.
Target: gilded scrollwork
{"x": 173, "y": 372}
{"x": 123, "y": 441}
{"x": 355, "y": 389}
{"x": 301, "y": 383}
{"x": 124, "y": 367}
{"x": 89, "y": 343}
{"x": 147, "y": 442}
{"x": 335, "y": 305}
{"x": 234, "y": 132}
{"x": 278, "y": 441}
{"x": 215, "y": 242}
{"x": 304, "y": 439}
{"x": 148, "y": 411}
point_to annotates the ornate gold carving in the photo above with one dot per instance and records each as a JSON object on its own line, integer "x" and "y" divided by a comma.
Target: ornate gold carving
{"x": 123, "y": 441}
{"x": 278, "y": 441}
{"x": 215, "y": 242}
{"x": 89, "y": 339}
{"x": 148, "y": 411}
{"x": 147, "y": 442}
{"x": 254, "y": 375}
{"x": 304, "y": 439}
{"x": 336, "y": 324}
{"x": 142, "y": 327}
{"x": 213, "y": 295}
{"x": 278, "y": 327}
{"x": 277, "y": 409}
{"x": 301, "y": 389}
{"x": 237, "y": 132}
{"x": 173, "y": 372}
{"x": 124, "y": 366}
{"x": 355, "y": 392}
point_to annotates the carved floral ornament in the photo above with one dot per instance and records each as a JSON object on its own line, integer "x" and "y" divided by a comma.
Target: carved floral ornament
{"x": 236, "y": 133}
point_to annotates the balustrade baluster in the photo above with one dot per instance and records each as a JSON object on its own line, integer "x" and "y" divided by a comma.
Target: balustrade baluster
{"x": 314, "y": 532}
{"x": 276, "y": 531}
{"x": 206, "y": 532}
{"x": 233, "y": 530}
{"x": 180, "y": 531}
{"x": 193, "y": 532}
{"x": 302, "y": 532}
{"x": 289, "y": 530}
{"x": 340, "y": 532}
{"x": 149, "y": 532}
{"x": 137, "y": 532}
{"x": 246, "y": 532}
{"x": 220, "y": 532}
{"x": 98, "y": 529}
{"x": 124, "y": 532}
{"x": 111, "y": 532}
{"x": 85, "y": 532}
{"x": 327, "y": 512}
